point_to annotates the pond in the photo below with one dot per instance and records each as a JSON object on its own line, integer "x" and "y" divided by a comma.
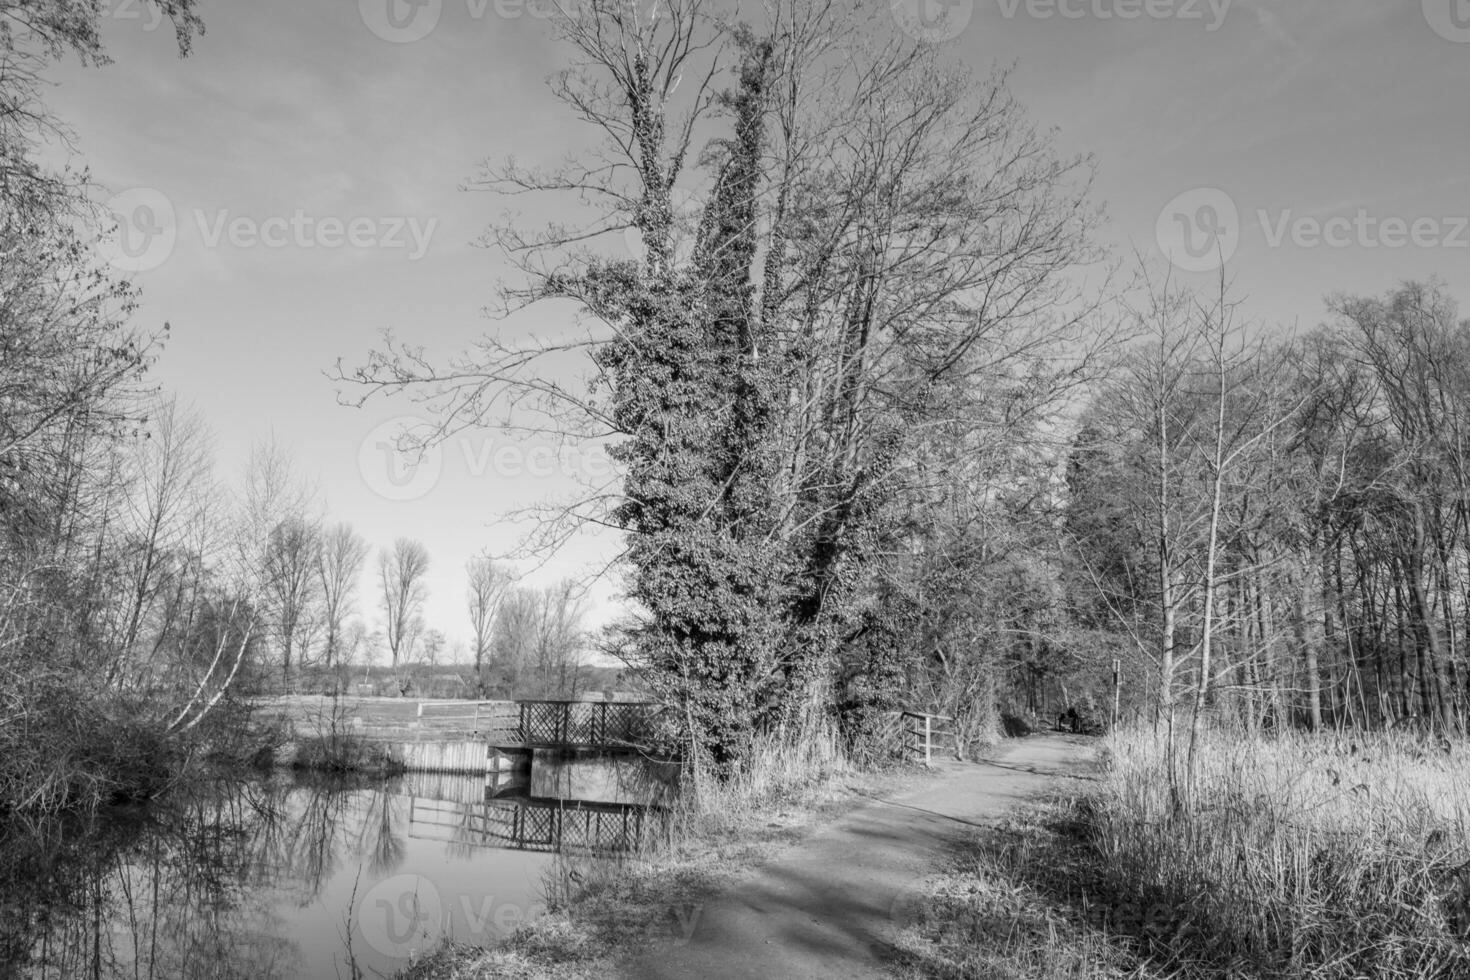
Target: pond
{"x": 281, "y": 877}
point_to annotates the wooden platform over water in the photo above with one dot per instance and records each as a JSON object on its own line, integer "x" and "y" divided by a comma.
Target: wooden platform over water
{"x": 467, "y": 737}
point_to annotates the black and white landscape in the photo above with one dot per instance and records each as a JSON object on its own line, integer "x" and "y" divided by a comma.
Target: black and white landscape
{"x": 717, "y": 488}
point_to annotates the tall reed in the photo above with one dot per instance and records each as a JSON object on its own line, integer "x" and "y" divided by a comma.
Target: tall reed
{"x": 1299, "y": 855}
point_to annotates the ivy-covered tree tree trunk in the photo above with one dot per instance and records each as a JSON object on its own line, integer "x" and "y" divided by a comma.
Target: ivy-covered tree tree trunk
{"x": 690, "y": 386}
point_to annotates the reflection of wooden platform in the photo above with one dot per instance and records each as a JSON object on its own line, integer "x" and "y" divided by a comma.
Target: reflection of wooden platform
{"x": 532, "y": 824}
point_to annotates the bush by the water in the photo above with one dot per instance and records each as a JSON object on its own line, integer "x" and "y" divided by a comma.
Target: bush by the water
{"x": 65, "y": 747}
{"x": 336, "y": 752}
{"x": 65, "y": 751}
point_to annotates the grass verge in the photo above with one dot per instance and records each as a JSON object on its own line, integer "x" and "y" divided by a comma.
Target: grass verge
{"x": 1014, "y": 906}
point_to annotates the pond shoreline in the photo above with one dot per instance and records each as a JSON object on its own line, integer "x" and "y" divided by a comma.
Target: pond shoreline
{"x": 601, "y": 914}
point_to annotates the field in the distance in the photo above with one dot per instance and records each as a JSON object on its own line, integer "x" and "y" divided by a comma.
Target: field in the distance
{"x": 385, "y": 718}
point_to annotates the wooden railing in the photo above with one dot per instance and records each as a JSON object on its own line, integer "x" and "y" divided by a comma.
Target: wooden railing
{"x": 576, "y": 724}
{"x": 920, "y": 734}
{"x": 477, "y": 715}
{"x": 599, "y": 724}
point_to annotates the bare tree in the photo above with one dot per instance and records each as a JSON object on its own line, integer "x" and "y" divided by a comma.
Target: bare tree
{"x": 514, "y": 630}
{"x": 487, "y": 584}
{"x": 559, "y": 633}
{"x": 292, "y": 587}
{"x": 1181, "y": 459}
{"x": 539, "y": 636}
{"x": 434, "y": 643}
{"x": 353, "y": 642}
{"x": 277, "y": 548}
{"x": 339, "y": 567}
{"x": 171, "y": 500}
{"x": 401, "y": 573}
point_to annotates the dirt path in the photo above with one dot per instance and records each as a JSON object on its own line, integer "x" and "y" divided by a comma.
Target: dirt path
{"x": 826, "y": 906}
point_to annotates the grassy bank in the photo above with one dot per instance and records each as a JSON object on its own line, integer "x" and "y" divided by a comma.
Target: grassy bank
{"x": 319, "y": 735}
{"x": 603, "y": 910}
{"x": 335, "y": 753}
{"x": 1014, "y": 907}
{"x": 1298, "y": 856}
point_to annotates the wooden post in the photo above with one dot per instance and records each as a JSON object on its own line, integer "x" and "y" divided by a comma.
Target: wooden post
{"x": 928, "y": 739}
{"x": 1117, "y": 667}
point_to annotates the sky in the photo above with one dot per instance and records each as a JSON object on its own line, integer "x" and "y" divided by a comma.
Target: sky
{"x": 294, "y": 187}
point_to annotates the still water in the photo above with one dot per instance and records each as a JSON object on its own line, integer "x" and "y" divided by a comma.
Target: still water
{"x": 276, "y": 878}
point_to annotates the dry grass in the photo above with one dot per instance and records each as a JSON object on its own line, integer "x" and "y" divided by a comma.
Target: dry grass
{"x": 781, "y": 778}
{"x": 1011, "y": 909}
{"x": 1297, "y": 856}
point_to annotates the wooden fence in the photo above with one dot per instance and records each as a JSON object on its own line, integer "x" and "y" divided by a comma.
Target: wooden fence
{"x": 464, "y": 757}
{"x": 918, "y": 736}
{"x": 586, "y": 724}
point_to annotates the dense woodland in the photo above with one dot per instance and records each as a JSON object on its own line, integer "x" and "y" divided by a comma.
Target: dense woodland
{"x": 891, "y": 430}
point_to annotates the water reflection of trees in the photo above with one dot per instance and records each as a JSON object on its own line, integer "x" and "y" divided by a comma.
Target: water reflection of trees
{"x": 384, "y": 848}
{"x": 217, "y": 881}
{"x": 193, "y": 887}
